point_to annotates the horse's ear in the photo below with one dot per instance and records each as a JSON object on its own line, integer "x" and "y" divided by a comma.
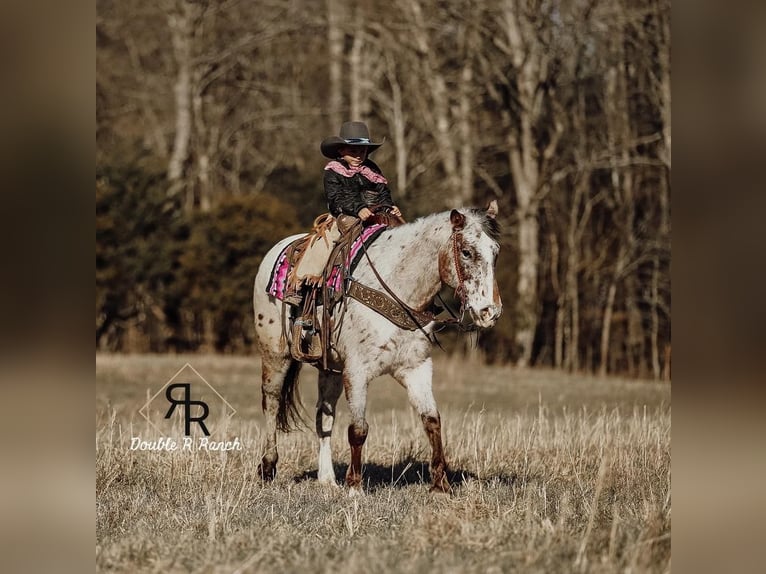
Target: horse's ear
{"x": 457, "y": 219}
{"x": 492, "y": 209}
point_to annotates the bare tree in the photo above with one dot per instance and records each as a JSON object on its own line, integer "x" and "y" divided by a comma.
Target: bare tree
{"x": 183, "y": 18}
{"x": 468, "y": 47}
{"x": 432, "y": 99}
{"x": 392, "y": 108}
{"x": 525, "y": 43}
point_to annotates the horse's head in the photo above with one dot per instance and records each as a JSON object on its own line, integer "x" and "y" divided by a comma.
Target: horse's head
{"x": 467, "y": 263}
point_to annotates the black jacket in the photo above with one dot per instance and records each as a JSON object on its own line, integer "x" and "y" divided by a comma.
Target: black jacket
{"x": 350, "y": 194}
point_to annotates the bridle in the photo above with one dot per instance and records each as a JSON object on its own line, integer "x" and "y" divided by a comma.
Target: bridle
{"x": 459, "y": 272}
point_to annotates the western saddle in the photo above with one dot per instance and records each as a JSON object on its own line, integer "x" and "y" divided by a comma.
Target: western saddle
{"x": 308, "y": 288}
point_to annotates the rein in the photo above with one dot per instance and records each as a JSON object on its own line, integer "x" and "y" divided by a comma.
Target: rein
{"x": 427, "y": 316}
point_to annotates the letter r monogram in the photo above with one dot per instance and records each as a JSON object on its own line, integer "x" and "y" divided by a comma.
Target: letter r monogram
{"x": 187, "y": 403}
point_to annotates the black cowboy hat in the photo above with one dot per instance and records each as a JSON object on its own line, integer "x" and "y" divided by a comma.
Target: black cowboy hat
{"x": 351, "y": 133}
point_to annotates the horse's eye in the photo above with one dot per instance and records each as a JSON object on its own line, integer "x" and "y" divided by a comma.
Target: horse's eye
{"x": 466, "y": 254}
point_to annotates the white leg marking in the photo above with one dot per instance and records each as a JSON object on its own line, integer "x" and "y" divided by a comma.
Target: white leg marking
{"x": 326, "y": 474}
{"x": 330, "y": 387}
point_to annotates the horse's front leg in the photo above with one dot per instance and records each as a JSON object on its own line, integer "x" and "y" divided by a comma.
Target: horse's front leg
{"x": 330, "y": 387}
{"x": 355, "y": 385}
{"x": 417, "y": 381}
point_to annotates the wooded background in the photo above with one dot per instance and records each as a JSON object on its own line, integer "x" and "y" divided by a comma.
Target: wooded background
{"x": 209, "y": 118}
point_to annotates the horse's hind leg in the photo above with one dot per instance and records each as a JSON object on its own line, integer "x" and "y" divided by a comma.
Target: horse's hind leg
{"x": 330, "y": 387}
{"x": 417, "y": 381}
{"x": 275, "y": 369}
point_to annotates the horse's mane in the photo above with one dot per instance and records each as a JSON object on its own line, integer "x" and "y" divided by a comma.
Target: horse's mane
{"x": 489, "y": 225}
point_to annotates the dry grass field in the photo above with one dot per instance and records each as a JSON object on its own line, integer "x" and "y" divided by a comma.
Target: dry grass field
{"x": 551, "y": 473}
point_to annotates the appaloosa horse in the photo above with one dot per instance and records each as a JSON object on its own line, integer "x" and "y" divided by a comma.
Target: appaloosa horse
{"x": 457, "y": 248}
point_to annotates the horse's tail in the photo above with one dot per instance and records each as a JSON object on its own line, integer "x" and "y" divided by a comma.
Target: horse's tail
{"x": 289, "y": 411}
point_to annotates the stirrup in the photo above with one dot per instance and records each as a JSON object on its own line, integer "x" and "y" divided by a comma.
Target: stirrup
{"x": 305, "y": 349}
{"x": 306, "y": 341}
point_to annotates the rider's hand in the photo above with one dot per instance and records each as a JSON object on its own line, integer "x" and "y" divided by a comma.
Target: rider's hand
{"x": 395, "y": 211}
{"x": 364, "y": 213}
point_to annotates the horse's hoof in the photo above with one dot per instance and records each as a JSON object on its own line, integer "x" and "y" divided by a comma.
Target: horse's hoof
{"x": 439, "y": 490}
{"x": 326, "y": 475}
{"x": 441, "y": 487}
{"x": 267, "y": 472}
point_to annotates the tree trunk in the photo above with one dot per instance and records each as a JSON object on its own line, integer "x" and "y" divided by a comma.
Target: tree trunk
{"x": 205, "y": 149}
{"x": 561, "y": 312}
{"x": 606, "y": 321}
{"x": 436, "y": 110}
{"x": 664, "y": 233}
{"x": 635, "y": 342}
{"x": 525, "y": 177}
{"x": 619, "y": 137}
{"x": 465, "y": 110}
{"x": 466, "y": 136}
{"x": 182, "y": 34}
{"x": 526, "y": 308}
{"x": 575, "y": 229}
{"x": 524, "y": 169}
{"x": 655, "y": 333}
{"x": 335, "y": 46}
{"x": 400, "y": 138}
{"x": 663, "y": 15}
{"x": 558, "y": 337}
{"x": 359, "y": 82}
{"x": 525, "y": 46}
{"x": 572, "y": 293}
{"x": 207, "y": 344}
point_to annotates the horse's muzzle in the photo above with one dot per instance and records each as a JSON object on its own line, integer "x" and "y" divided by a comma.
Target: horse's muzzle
{"x": 488, "y": 316}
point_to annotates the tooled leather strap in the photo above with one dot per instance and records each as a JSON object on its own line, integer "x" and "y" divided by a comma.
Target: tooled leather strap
{"x": 402, "y": 316}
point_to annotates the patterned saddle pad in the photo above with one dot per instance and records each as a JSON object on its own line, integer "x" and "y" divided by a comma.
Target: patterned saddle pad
{"x": 277, "y": 284}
